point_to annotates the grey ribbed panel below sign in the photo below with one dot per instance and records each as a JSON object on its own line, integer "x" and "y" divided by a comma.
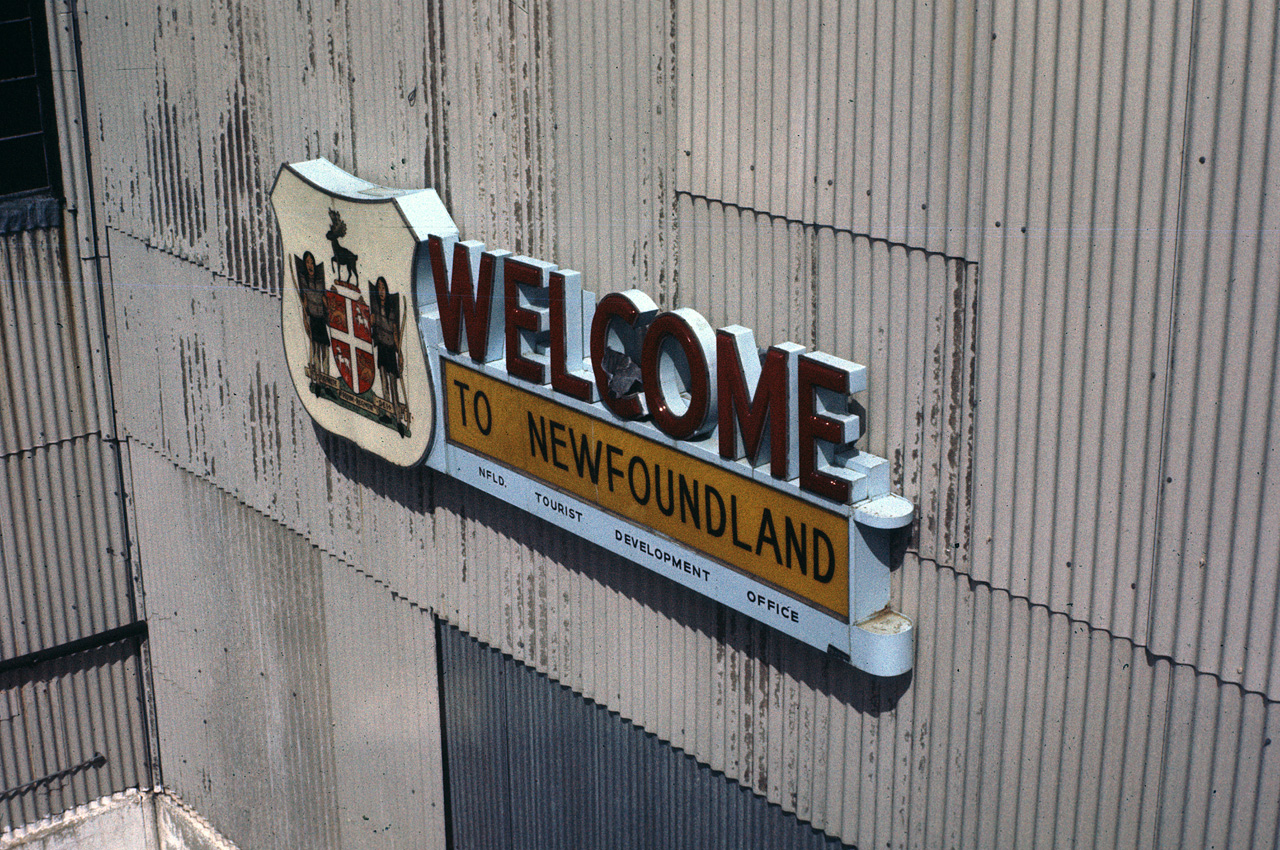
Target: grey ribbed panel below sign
{"x": 532, "y": 764}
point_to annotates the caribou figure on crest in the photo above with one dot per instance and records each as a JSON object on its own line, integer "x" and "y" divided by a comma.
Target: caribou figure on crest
{"x": 342, "y": 257}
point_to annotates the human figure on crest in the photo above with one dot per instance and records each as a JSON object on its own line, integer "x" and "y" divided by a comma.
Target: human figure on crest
{"x": 387, "y": 328}
{"x": 315, "y": 308}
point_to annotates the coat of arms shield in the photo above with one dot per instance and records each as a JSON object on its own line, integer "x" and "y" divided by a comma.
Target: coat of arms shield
{"x": 348, "y": 313}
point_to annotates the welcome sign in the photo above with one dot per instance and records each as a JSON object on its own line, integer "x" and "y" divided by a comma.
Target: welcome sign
{"x": 681, "y": 447}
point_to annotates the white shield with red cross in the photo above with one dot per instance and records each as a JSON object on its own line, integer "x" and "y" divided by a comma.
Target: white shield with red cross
{"x": 351, "y": 338}
{"x": 349, "y": 246}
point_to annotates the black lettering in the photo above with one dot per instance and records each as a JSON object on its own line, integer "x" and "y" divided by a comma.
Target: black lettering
{"x": 733, "y": 518}
{"x": 818, "y": 534}
{"x": 636, "y": 460}
{"x": 671, "y": 490}
{"x": 557, "y": 442}
{"x": 462, "y": 400}
{"x": 768, "y": 534}
{"x": 537, "y": 436}
{"x": 797, "y": 543}
{"x": 488, "y": 412}
{"x": 582, "y": 457}
{"x": 614, "y": 472}
{"x": 715, "y": 530}
{"x": 690, "y": 499}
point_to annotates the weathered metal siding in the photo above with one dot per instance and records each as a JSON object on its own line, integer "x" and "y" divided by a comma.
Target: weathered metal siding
{"x": 194, "y": 135}
{"x": 295, "y": 696}
{"x": 1080, "y": 679}
{"x": 532, "y": 764}
{"x": 858, "y": 116}
{"x": 1079, "y": 215}
{"x": 61, "y": 546}
{"x": 72, "y": 725}
{"x": 47, "y": 342}
{"x": 1215, "y": 593}
{"x": 62, "y": 542}
{"x": 237, "y": 614}
{"x": 72, "y": 722}
{"x": 72, "y": 730}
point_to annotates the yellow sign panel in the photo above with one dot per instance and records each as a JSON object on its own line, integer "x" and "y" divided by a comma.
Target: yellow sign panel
{"x": 753, "y": 528}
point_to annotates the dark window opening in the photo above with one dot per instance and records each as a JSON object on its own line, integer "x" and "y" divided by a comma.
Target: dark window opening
{"x": 29, "y": 165}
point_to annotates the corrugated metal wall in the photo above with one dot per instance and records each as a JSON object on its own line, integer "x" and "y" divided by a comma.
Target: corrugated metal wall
{"x": 858, "y": 116}
{"x": 72, "y": 724}
{"x": 63, "y": 546}
{"x": 72, "y": 730}
{"x": 295, "y": 696}
{"x": 1068, "y": 318}
{"x": 1085, "y": 117}
{"x": 1215, "y": 589}
{"x": 533, "y": 765}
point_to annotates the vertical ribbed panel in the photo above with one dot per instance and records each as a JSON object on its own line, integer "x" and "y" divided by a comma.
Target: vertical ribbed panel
{"x": 532, "y": 764}
{"x": 71, "y": 731}
{"x": 47, "y": 345}
{"x": 1086, "y": 112}
{"x": 72, "y": 727}
{"x": 81, "y": 218}
{"x": 499, "y": 112}
{"x": 1194, "y": 813}
{"x": 296, "y": 697}
{"x": 1215, "y": 592}
{"x": 62, "y": 547}
{"x": 391, "y": 51}
{"x": 190, "y": 141}
{"x": 850, "y": 115}
{"x": 611, "y": 181}
{"x": 239, "y": 653}
{"x": 384, "y": 689}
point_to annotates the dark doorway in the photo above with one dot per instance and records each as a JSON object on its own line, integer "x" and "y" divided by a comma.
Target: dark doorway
{"x": 530, "y": 764}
